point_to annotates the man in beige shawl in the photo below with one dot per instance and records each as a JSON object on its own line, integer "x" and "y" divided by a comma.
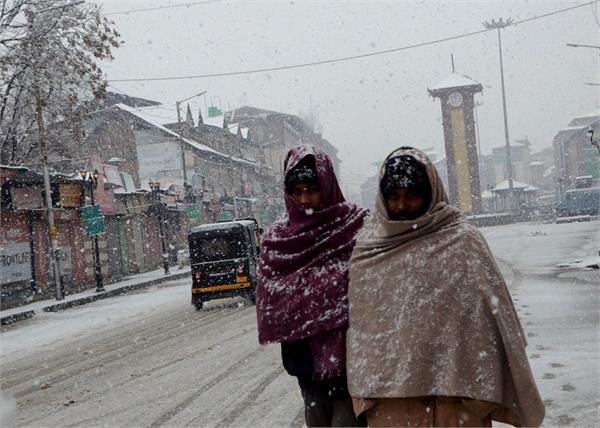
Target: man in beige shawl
{"x": 433, "y": 337}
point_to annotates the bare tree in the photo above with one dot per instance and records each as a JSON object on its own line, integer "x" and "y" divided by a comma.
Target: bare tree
{"x": 48, "y": 69}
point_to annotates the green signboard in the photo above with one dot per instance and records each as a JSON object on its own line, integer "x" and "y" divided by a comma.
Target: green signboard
{"x": 265, "y": 216}
{"x": 214, "y": 111}
{"x": 224, "y": 216}
{"x": 93, "y": 220}
{"x": 193, "y": 213}
{"x": 591, "y": 162}
{"x": 517, "y": 154}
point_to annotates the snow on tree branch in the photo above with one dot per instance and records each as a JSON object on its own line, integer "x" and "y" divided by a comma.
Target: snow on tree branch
{"x": 48, "y": 58}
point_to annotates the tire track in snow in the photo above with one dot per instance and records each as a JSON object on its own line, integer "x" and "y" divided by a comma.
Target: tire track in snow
{"x": 248, "y": 401}
{"x": 114, "y": 386}
{"x": 111, "y": 340}
{"x": 229, "y": 371}
{"x": 116, "y": 343}
{"x": 125, "y": 349}
{"x": 220, "y": 317}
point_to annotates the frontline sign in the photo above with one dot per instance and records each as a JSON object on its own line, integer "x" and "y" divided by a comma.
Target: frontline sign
{"x": 15, "y": 262}
{"x": 15, "y": 254}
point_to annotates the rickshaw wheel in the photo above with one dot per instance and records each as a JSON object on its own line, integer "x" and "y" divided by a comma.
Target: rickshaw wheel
{"x": 198, "y": 306}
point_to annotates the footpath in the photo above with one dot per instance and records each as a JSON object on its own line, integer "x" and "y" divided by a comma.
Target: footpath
{"x": 134, "y": 282}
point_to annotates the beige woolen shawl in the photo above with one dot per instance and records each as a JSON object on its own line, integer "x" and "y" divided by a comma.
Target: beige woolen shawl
{"x": 430, "y": 313}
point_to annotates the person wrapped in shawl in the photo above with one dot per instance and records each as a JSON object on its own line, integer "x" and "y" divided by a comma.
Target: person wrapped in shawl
{"x": 301, "y": 295}
{"x": 433, "y": 337}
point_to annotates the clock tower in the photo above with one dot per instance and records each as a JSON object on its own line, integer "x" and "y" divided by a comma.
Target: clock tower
{"x": 456, "y": 95}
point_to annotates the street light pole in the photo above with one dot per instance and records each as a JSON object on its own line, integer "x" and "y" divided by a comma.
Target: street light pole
{"x": 53, "y": 260}
{"x": 235, "y": 210}
{"x": 574, "y": 45}
{"x": 498, "y": 26}
{"x": 593, "y": 142}
{"x": 155, "y": 191}
{"x": 90, "y": 182}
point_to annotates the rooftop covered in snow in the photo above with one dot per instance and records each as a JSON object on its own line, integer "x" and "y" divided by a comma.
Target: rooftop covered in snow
{"x": 152, "y": 119}
{"x": 517, "y": 185}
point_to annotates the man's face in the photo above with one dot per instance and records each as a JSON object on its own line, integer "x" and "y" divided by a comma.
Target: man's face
{"x": 306, "y": 194}
{"x": 405, "y": 204}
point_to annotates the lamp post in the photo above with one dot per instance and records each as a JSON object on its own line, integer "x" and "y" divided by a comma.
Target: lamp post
{"x": 596, "y": 143}
{"x": 155, "y": 191}
{"x": 574, "y": 45}
{"x": 500, "y": 24}
{"x": 181, "y": 142}
{"x": 90, "y": 183}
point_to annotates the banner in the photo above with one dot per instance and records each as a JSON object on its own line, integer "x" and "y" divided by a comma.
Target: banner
{"x": 70, "y": 195}
{"x": 26, "y": 198}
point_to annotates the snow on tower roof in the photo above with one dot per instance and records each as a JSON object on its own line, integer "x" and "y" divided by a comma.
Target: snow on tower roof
{"x": 453, "y": 81}
{"x": 233, "y": 128}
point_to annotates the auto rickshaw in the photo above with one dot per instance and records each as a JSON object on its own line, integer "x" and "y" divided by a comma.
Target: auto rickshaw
{"x": 223, "y": 258}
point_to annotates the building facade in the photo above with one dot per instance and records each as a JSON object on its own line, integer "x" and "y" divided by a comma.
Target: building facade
{"x": 574, "y": 156}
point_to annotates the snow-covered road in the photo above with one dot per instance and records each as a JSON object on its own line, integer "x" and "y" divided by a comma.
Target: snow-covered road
{"x": 150, "y": 359}
{"x": 560, "y": 312}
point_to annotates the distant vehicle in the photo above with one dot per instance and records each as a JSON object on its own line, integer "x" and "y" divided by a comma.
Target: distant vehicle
{"x": 580, "y": 202}
{"x": 223, "y": 258}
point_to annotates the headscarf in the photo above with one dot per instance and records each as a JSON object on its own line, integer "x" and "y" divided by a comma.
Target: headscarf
{"x": 430, "y": 314}
{"x": 304, "y": 172}
{"x": 303, "y": 269}
{"x": 405, "y": 171}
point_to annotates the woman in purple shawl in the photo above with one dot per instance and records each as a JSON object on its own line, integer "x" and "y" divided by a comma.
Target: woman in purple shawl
{"x": 301, "y": 297}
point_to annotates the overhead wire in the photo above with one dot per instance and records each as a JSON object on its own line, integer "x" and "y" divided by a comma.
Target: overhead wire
{"x": 352, "y": 57}
{"x": 171, "y": 6}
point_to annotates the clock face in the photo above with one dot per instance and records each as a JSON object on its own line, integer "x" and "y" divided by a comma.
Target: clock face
{"x": 455, "y": 99}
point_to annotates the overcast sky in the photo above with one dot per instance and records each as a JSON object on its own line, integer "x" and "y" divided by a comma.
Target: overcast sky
{"x": 372, "y": 105}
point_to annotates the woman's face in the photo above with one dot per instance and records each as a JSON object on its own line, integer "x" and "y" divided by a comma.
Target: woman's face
{"x": 306, "y": 194}
{"x": 406, "y": 204}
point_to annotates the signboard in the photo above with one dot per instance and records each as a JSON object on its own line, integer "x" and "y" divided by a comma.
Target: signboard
{"x": 112, "y": 176}
{"x": 591, "y": 162}
{"x": 128, "y": 183}
{"x": 517, "y": 154}
{"x": 170, "y": 201}
{"x": 70, "y": 195}
{"x": 15, "y": 262}
{"x": 15, "y": 254}
{"x": 64, "y": 262}
{"x": 224, "y": 216}
{"x": 193, "y": 213}
{"x": 265, "y": 216}
{"x": 214, "y": 111}
{"x": 155, "y": 159}
{"x": 26, "y": 198}
{"x": 93, "y": 220}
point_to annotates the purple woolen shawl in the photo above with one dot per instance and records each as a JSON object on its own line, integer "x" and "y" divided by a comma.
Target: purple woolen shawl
{"x": 303, "y": 270}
